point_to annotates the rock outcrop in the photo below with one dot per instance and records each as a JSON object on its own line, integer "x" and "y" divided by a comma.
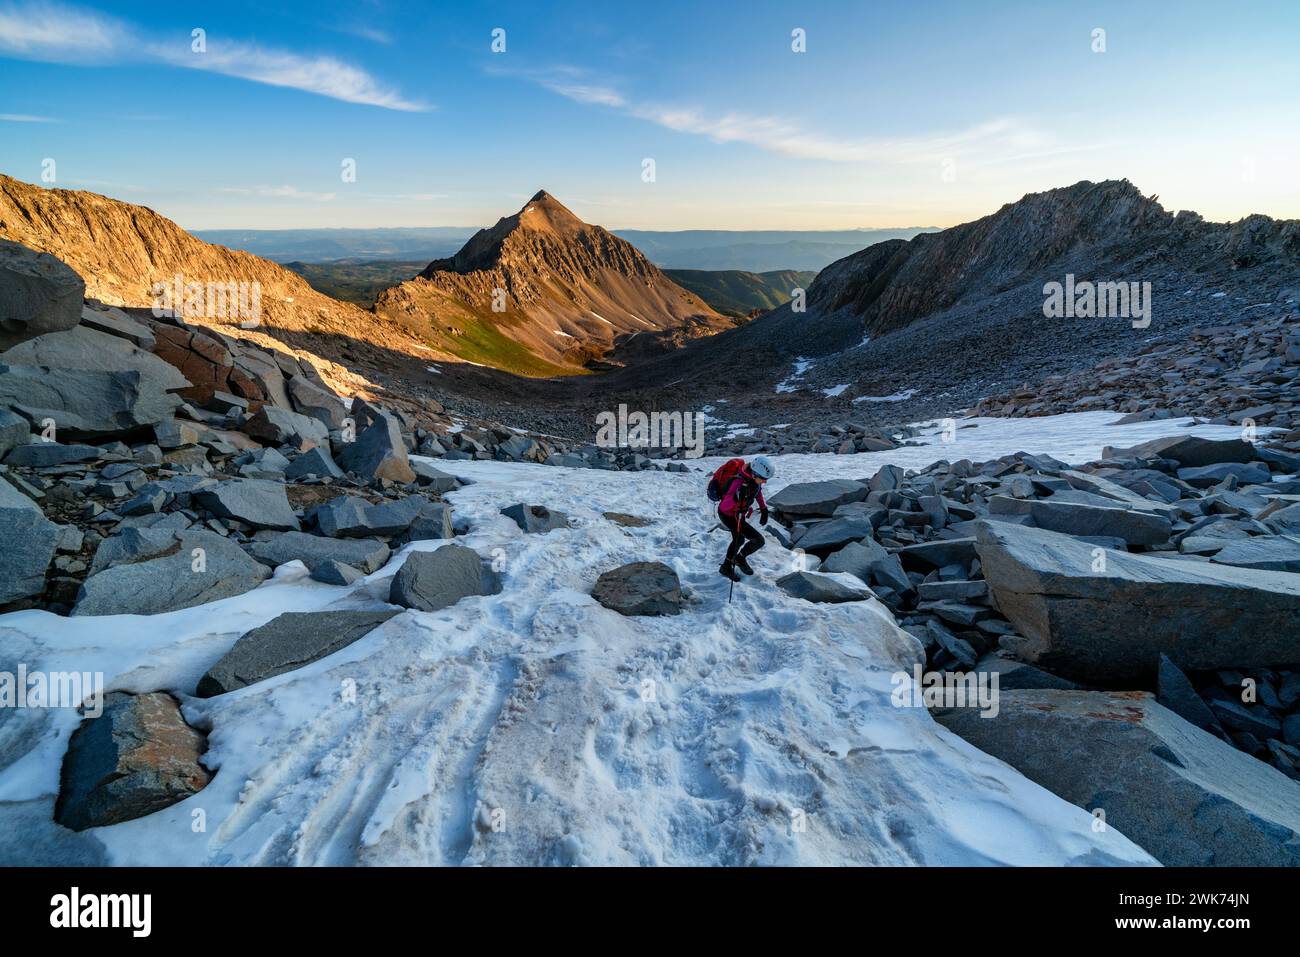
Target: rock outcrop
{"x": 1182, "y": 794}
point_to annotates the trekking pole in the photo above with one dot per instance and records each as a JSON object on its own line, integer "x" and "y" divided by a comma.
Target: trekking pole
{"x": 730, "y": 590}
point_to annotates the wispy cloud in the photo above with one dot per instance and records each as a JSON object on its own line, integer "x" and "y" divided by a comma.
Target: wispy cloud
{"x": 63, "y": 34}
{"x": 25, "y": 118}
{"x": 787, "y": 137}
{"x": 278, "y": 192}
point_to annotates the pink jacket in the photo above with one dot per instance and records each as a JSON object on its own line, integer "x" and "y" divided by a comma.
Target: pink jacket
{"x": 731, "y": 502}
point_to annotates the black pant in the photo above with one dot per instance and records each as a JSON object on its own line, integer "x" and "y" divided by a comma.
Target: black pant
{"x": 741, "y": 532}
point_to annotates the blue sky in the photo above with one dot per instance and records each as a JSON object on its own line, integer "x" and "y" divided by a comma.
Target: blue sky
{"x": 898, "y": 113}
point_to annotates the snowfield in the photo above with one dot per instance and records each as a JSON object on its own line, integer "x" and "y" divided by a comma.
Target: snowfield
{"x": 537, "y": 727}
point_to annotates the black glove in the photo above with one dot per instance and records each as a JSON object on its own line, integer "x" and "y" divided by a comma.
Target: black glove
{"x": 762, "y": 516}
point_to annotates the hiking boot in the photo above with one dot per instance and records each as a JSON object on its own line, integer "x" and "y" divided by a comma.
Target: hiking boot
{"x": 743, "y": 565}
{"x": 728, "y": 571}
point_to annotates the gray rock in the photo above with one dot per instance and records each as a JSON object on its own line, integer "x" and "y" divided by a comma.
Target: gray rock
{"x": 14, "y": 431}
{"x": 317, "y": 461}
{"x": 313, "y": 400}
{"x": 640, "y": 588}
{"x": 38, "y": 294}
{"x": 434, "y": 522}
{"x": 1019, "y": 676}
{"x": 830, "y": 536}
{"x": 428, "y": 581}
{"x": 29, "y": 542}
{"x": 115, "y": 322}
{"x": 85, "y": 403}
{"x": 857, "y": 558}
{"x": 278, "y": 426}
{"x": 1108, "y": 619}
{"x": 1175, "y": 691}
{"x": 433, "y": 479}
{"x": 1279, "y": 553}
{"x": 1188, "y": 451}
{"x": 811, "y": 586}
{"x": 163, "y": 573}
{"x": 518, "y": 448}
{"x": 889, "y": 572}
{"x": 342, "y": 517}
{"x": 286, "y": 643}
{"x": 314, "y": 551}
{"x": 1136, "y": 528}
{"x": 136, "y": 758}
{"x": 535, "y": 519}
{"x": 378, "y": 452}
{"x": 40, "y": 454}
{"x": 1182, "y": 794}
{"x": 817, "y": 498}
{"x": 956, "y": 590}
{"x": 87, "y": 348}
{"x": 173, "y": 434}
{"x": 258, "y": 502}
{"x": 938, "y": 554}
{"x": 1205, "y": 476}
{"x": 332, "y": 572}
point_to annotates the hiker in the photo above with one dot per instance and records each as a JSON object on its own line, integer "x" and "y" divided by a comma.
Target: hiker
{"x": 735, "y": 487}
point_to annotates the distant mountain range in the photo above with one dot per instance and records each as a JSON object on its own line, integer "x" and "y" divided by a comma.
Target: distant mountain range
{"x": 748, "y": 250}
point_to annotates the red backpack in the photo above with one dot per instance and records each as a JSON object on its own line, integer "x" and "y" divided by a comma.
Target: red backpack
{"x": 721, "y": 480}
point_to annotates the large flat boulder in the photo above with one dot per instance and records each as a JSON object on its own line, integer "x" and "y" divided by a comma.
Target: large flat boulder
{"x": 261, "y": 503}
{"x": 428, "y": 581}
{"x": 136, "y": 758}
{"x": 817, "y": 498}
{"x": 1106, "y": 616}
{"x": 86, "y": 403}
{"x": 830, "y": 536}
{"x": 286, "y": 643}
{"x": 38, "y": 294}
{"x": 811, "y": 586}
{"x": 29, "y": 542}
{"x": 1278, "y": 553}
{"x": 1189, "y": 451}
{"x": 378, "y": 452}
{"x": 1070, "y": 518}
{"x": 1180, "y": 793}
{"x": 640, "y": 588}
{"x": 167, "y": 570}
{"x": 85, "y": 348}
{"x": 364, "y": 554}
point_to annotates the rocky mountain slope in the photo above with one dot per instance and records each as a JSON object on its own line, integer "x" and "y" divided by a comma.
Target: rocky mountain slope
{"x": 543, "y": 293}
{"x": 123, "y": 250}
{"x": 948, "y": 318}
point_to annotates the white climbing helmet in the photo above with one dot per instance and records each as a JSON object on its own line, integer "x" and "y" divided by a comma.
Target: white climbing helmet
{"x": 762, "y": 467}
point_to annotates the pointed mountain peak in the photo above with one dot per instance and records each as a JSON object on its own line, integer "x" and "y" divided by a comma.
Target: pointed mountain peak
{"x": 544, "y": 211}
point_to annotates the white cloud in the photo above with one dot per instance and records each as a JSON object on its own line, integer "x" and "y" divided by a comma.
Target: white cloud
{"x": 25, "y": 118}
{"x": 62, "y": 34}
{"x": 777, "y": 134}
